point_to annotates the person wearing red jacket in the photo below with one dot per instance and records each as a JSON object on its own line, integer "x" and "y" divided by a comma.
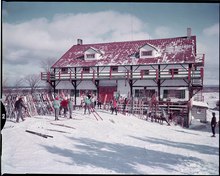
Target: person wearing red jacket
{"x": 114, "y": 106}
{"x": 64, "y": 104}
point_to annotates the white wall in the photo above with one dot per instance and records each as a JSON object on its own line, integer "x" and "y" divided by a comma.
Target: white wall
{"x": 86, "y": 85}
{"x": 124, "y": 90}
{"x": 64, "y": 85}
{"x": 107, "y": 83}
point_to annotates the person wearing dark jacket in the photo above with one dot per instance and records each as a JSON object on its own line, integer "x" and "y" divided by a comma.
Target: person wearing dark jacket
{"x": 124, "y": 105}
{"x": 213, "y": 124}
{"x": 19, "y": 104}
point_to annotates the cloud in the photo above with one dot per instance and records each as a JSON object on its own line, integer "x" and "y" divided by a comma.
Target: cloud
{"x": 4, "y": 13}
{"x": 26, "y": 44}
{"x": 212, "y": 30}
{"x": 29, "y": 42}
{"x": 162, "y": 32}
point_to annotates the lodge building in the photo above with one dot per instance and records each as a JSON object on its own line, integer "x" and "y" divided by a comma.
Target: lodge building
{"x": 169, "y": 67}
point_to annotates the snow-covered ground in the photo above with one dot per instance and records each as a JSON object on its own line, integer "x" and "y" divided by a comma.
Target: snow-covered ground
{"x": 117, "y": 144}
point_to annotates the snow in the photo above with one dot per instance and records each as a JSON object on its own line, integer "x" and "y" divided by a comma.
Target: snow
{"x": 117, "y": 144}
{"x": 200, "y": 103}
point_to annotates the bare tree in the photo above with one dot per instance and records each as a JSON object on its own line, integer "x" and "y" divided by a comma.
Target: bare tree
{"x": 46, "y": 64}
{"x": 33, "y": 80}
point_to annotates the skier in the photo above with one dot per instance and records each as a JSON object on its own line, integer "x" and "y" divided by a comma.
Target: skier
{"x": 56, "y": 105}
{"x": 87, "y": 104}
{"x": 114, "y": 106}
{"x": 64, "y": 104}
{"x": 19, "y": 104}
{"x": 70, "y": 106}
{"x": 124, "y": 105}
{"x": 213, "y": 124}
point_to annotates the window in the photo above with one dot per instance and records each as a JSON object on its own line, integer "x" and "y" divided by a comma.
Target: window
{"x": 145, "y": 72}
{"x": 174, "y": 94}
{"x": 144, "y": 93}
{"x": 146, "y": 53}
{"x": 175, "y": 71}
{"x": 86, "y": 69}
{"x": 90, "y": 56}
{"x": 114, "y": 69}
{"x": 64, "y": 70}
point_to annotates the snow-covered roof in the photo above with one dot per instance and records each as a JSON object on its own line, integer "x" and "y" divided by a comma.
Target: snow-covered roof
{"x": 173, "y": 50}
{"x": 200, "y": 104}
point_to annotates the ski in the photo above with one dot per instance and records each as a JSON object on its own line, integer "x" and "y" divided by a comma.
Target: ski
{"x": 96, "y": 113}
{"x": 57, "y": 131}
{"x": 39, "y": 134}
{"x": 67, "y": 126}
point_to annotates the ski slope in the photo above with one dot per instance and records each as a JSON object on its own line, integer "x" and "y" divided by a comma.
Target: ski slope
{"x": 117, "y": 144}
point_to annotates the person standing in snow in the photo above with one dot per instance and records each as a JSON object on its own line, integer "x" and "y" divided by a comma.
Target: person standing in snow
{"x": 70, "y": 106}
{"x": 56, "y": 105}
{"x": 19, "y": 104}
{"x": 213, "y": 124}
{"x": 114, "y": 106}
{"x": 124, "y": 105}
{"x": 87, "y": 104}
{"x": 64, "y": 104}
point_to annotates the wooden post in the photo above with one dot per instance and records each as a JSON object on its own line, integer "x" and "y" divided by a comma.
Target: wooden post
{"x": 48, "y": 76}
{"x": 93, "y": 78}
{"x": 142, "y": 74}
{"x": 156, "y": 74}
{"x": 110, "y": 73}
{"x": 189, "y": 73}
{"x": 172, "y": 72}
{"x": 81, "y": 74}
{"x": 70, "y": 75}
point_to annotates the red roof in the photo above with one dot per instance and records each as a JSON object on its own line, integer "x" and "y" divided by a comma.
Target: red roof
{"x": 173, "y": 50}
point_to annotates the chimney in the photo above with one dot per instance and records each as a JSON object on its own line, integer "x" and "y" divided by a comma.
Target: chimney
{"x": 79, "y": 42}
{"x": 189, "y": 33}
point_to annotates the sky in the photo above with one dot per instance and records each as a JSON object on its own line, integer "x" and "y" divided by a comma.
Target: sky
{"x": 35, "y": 31}
{"x": 118, "y": 144}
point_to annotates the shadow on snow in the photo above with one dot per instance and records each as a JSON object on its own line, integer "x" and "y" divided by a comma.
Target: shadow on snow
{"x": 122, "y": 158}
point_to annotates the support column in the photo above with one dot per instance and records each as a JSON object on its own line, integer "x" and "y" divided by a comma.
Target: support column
{"x": 97, "y": 87}
{"x": 131, "y": 88}
{"x": 190, "y": 88}
{"x": 158, "y": 83}
{"x": 75, "y": 86}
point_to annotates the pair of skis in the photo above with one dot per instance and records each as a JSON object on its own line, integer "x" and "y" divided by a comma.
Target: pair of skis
{"x": 95, "y": 114}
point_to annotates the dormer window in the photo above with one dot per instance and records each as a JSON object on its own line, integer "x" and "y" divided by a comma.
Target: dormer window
{"x": 90, "y": 56}
{"x": 93, "y": 54}
{"x": 146, "y": 53}
{"x": 149, "y": 51}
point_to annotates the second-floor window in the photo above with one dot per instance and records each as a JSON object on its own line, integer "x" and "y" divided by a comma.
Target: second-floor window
{"x": 90, "y": 56}
{"x": 114, "y": 69}
{"x": 85, "y": 69}
{"x": 64, "y": 70}
{"x": 145, "y": 72}
{"x": 175, "y": 71}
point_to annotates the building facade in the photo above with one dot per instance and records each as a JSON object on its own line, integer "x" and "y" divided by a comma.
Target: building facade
{"x": 169, "y": 67}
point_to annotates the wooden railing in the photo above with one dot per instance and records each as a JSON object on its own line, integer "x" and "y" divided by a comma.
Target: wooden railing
{"x": 153, "y": 74}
